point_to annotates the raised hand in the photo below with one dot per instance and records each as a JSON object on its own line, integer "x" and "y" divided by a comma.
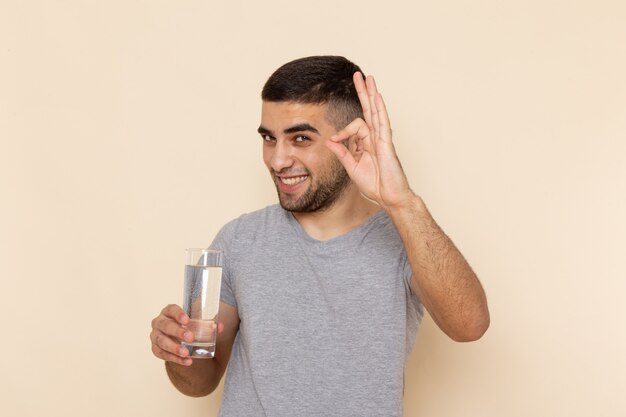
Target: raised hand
{"x": 370, "y": 158}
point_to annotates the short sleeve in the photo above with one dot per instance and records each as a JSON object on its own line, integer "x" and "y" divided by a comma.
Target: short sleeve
{"x": 224, "y": 242}
{"x": 407, "y": 273}
{"x": 414, "y": 307}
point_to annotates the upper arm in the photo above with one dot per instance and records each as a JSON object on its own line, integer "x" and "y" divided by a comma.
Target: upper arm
{"x": 229, "y": 317}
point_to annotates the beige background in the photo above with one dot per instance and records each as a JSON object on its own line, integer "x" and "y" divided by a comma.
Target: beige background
{"x": 128, "y": 133}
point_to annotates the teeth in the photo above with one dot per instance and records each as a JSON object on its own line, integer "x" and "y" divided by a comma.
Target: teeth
{"x": 294, "y": 180}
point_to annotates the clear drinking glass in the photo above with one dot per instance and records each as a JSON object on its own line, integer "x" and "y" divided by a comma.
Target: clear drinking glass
{"x": 203, "y": 279}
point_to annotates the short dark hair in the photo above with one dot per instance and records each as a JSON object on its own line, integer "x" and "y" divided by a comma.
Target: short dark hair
{"x": 318, "y": 80}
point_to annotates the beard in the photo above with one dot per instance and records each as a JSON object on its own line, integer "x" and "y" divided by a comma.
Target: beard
{"x": 332, "y": 183}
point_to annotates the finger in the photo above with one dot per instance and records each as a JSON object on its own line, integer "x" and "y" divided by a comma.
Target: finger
{"x": 372, "y": 91}
{"x": 384, "y": 124}
{"x": 166, "y": 344}
{"x": 354, "y": 144}
{"x": 358, "y": 135}
{"x": 361, "y": 90}
{"x": 172, "y": 321}
{"x": 169, "y": 357}
{"x": 357, "y": 128}
{"x": 343, "y": 154}
{"x": 176, "y": 313}
{"x": 172, "y": 328}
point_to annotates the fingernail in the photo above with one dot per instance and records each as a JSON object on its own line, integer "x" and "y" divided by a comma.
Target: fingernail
{"x": 188, "y": 336}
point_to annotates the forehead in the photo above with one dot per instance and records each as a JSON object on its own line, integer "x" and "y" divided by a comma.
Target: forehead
{"x": 282, "y": 114}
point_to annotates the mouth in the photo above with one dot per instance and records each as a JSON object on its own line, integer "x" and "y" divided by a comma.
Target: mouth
{"x": 293, "y": 180}
{"x": 290, "y": 185}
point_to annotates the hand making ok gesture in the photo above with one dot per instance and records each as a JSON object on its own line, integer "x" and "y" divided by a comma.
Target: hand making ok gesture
{"x": 370, "y": 158}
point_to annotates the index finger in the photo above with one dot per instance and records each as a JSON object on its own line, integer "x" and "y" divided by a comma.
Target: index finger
{"x": 176, "y": 313}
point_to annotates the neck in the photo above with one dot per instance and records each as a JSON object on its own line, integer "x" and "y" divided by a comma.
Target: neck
{"x": 349, "y": 212}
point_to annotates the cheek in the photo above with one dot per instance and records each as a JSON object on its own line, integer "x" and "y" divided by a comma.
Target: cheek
{"x": 322, "y": 167}
{"x": 318, "y": 157}
{"x": 267, "y": 156}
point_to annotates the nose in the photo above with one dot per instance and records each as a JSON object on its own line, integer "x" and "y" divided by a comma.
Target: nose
{"x": 281, "y": 156}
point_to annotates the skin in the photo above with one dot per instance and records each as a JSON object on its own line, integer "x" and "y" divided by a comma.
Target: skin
{"x": 301, "y": 145}
{"x": 293, "y": 149}
{"x": 442, "y": 278}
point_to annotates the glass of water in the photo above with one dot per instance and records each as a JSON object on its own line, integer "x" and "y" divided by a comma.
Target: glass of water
{"x": 203, "y": 279}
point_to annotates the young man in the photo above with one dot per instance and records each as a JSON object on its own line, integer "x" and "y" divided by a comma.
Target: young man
{"x": 323, "y": 294}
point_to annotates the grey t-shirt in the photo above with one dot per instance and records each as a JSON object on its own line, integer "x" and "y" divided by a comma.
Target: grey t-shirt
{"x": 326, "y": 326}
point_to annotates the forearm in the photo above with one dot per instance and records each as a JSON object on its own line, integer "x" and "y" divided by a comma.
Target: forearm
{"x": 198, "y": 380}
{"x": 442, "y": 278}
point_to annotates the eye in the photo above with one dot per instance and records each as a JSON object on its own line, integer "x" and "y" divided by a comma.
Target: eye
{"x": 267, "y": 138}
{"x": 301, "y": 139}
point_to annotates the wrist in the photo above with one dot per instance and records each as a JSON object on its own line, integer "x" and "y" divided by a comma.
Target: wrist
{"x": 413, "y": 211}
{"x": 408, "y": 202}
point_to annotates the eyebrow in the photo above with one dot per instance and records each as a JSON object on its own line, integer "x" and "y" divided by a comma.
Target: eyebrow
{"x": 300, "y": 127}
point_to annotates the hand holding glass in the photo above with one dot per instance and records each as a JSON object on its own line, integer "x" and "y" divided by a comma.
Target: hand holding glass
{"x": 203, "y": 279}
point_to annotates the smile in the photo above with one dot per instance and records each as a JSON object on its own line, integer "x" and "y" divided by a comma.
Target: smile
{"x": 293, "y": 180}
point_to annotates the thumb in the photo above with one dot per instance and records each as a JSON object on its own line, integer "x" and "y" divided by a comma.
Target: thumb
{"x": 343, "y": 154}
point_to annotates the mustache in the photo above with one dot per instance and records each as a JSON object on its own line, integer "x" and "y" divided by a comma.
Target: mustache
{"x": 291, "y": 172}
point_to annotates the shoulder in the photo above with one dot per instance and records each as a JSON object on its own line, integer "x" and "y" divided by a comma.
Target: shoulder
{"x": 259, "y": 218}
{"x": 382, "y": 223}
{"x": 248, "y": 225}
{"x": 382, "y": 231}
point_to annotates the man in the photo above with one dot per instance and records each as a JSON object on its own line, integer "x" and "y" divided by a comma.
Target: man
{"x": 323, "y": 294}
